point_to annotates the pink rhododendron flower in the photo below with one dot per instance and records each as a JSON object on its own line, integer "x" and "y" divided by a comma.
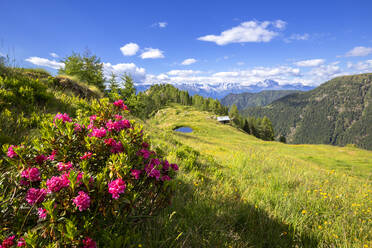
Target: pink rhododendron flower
{"x": 42, "y": 213}
{"x": 165, "y": 165}
{"x": 144, "y": 153}
{"x": 117, "y": 125}
{"x": 52, "y": 156}
{"x": 118, "y": 117}
{"x": 99, "y": 132}
{"x": 110, "y": 125}
{"x": 8, "y": 242}
{"x": 21, "y": 242}
{"x": 55, "y": 184}
{"x": 78, "y": 127}
{"x": 116, "y": 147}
{"x": 11, "y": 153}
{"x": 116, "y": 187}
{"x": 93, "y": 117}
{"x": 24, "y": 183}
{"x": 86, "y": 155}
{"x": 31, "y": 174}
{"x": 66, "y": 178}
{"x": 40, "y": 159}
{"x": 136, "y": 173}
{"x": 120, "y": 104}
{"x": 165, "y": 178}
{"x": 145, "y": 145}
{"x": 35, "y": 195}
{"x": 64, "y": 117}
{"x": 154, "y": 173}
{"x": 89, "y": 243}
{"x": 174, "y": 167}
{"x": 155, "y": 161}
{"x": 82, "y": 201}
{"x": 64, "y": 166}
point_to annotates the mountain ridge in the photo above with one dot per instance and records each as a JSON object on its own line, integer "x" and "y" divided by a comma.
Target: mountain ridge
{"x": 218, "y": 91}
{"x": 247, "y": 99}
{"x": 337, "y": 112}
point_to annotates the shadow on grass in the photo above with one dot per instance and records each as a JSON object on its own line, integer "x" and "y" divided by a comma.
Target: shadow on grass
{"x": 186, "y": 136}
{"x": 197, "y": 219}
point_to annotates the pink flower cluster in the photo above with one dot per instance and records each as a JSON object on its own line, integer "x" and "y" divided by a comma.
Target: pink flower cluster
{"x": 82, "y": 201}
{"x": 78, "y": 127}
{"x": 120, "y": 104}
{"x": 117, "y": 125}
{"x": 35, "y": 195}
{"x": 136, "y": 173}
{"x": 64, "y": 166}
{"x": 99, "y": 132}
{"x": 8, "y": 242}
{"x": 86, "y": 155}
{"x": 30, "y": 174}
{"x": 55, "y": 184}
{"x": 64, "y": 117}
{"x": 21, "y": 242}
{"x": 116, "y": 187}
{"x": 52, "y": 156}
{"x": 11, "y": 153}
{"x": 144, "y": 153}
{"x": 42, "y": 213}
{"x": 116, "y": 147}
{"x": 89, "y": 243}
{"x": 40, "y": 158}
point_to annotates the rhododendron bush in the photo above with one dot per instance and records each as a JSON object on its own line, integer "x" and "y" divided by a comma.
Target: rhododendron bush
{"x": 83, "y": 177}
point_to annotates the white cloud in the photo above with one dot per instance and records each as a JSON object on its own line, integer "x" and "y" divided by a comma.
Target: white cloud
{"x": 279, "y": 24}
{"x": 45, "y": 62}
{"x": 251, "y": 31}
{"x": 129, "y": 49}
{"x": 182, "y": 73}
{"x": 361, "y": 67}
{"x": 188, "y": 61}
{"x": 325, "y": 72}
{"x": 152, "y": 53}
{"x": 160, "y": 24}
{"x": 310, "y": 63}
{"x": 54, "y": 55}
{"x": 138, "y": 73}
{"x": 240, "y": 63}
{"x": 359, "y": 51}
{"x": 261, "y": 72}
{"x": 297, "y": 37}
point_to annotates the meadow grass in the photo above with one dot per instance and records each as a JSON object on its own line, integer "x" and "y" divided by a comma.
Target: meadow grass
{"x": 234, "y": 190}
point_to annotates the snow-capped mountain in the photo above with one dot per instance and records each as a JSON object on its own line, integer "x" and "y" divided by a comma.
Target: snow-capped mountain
{"x": 218, "y": 91}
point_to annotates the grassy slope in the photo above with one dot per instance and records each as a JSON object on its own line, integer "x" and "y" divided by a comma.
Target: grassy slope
{"x": 244, "y": 192}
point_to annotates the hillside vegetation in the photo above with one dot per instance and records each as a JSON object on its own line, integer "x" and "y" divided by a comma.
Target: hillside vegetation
{"x": 239, "y": 191}
{"x": 263, "y": 98}
{"x": 27, "y": 96}
{"x": 338, "y": 112}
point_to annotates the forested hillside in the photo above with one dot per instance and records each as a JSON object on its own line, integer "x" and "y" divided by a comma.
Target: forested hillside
{"x": 247, "y": 99}
{"x": 338, "y": 112}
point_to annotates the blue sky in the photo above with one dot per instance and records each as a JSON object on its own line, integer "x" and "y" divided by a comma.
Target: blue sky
{"x": 210, "y": 42}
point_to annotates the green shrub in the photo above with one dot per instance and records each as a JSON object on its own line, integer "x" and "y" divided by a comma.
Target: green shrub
{"x": 82, "y": 181}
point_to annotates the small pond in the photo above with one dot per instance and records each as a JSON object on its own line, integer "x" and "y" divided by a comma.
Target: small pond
{"x": 183, "y": 129}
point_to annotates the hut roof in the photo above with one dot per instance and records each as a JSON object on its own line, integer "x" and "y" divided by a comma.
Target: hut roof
{"x": 223, "y": 118}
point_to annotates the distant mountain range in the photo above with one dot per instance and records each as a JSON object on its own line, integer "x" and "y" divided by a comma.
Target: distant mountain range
{"x": 218, "y": 91}
{"x": 247, "y": 99}
{"x": 338, "y": 112}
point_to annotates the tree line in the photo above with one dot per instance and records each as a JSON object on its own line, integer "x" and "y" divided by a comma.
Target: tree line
{"x": 89, "y": 69}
